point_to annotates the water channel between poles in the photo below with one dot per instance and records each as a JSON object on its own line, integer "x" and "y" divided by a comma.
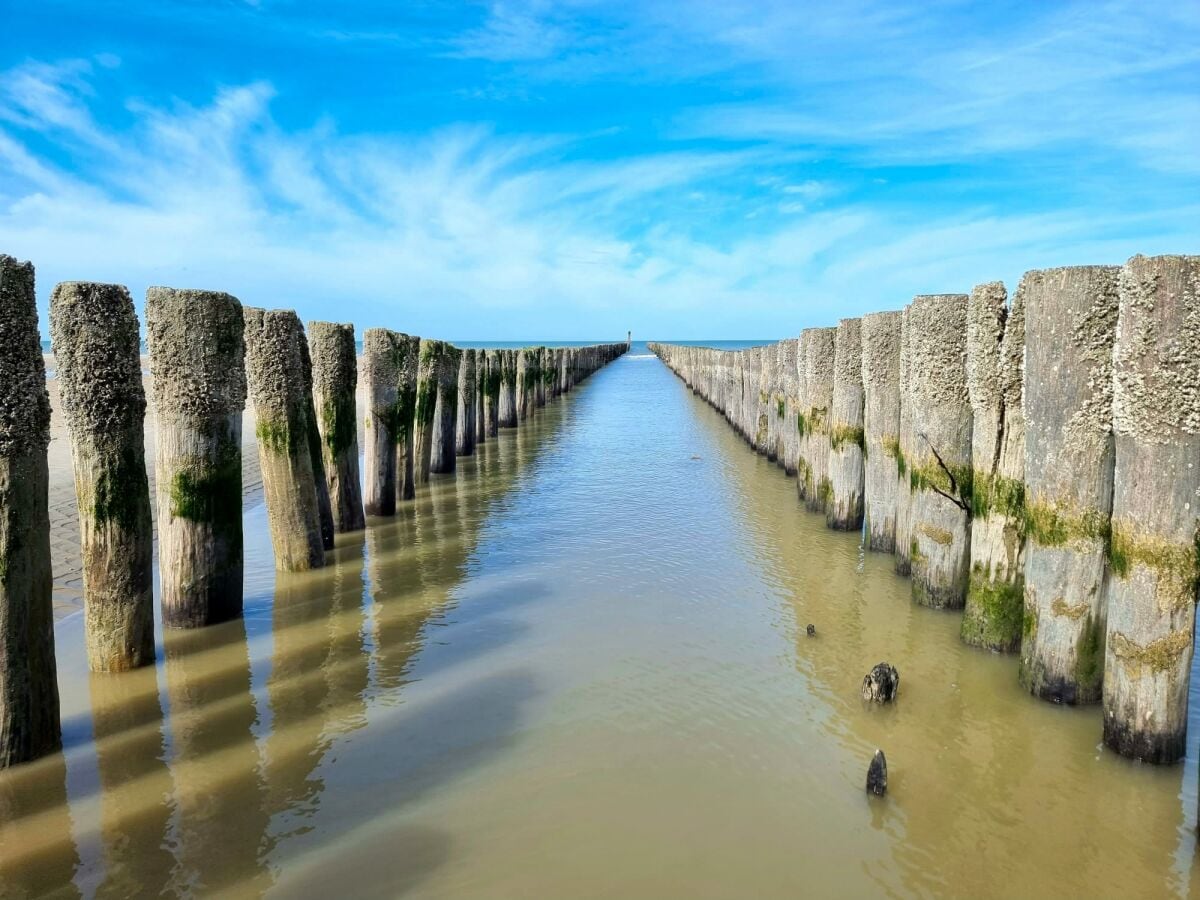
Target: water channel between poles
{"x": 580, "y": 668}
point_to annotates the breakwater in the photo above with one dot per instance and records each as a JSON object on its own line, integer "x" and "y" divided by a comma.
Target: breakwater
{"x": 208, "y": 355}
{"x": 1034, "y": 463}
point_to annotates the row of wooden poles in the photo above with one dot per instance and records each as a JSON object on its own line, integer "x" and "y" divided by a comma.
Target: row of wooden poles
{"x": 1035, "y": 464}
{"x": 428, "y": 403}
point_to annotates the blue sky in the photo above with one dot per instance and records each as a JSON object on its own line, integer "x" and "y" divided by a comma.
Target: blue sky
{"x": 570, "y": 170}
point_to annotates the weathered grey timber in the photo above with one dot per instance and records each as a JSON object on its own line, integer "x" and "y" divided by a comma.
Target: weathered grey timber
{"x": 29, "y": 710}
{"x": 940, "y": 465}
{"x": 995, "y": 361}
{"x": 491, "y": 393}
{"x": 846, "y": 437}
{"x": 480, "y": 389}
{"x": 408, "y": 352}
{"x": 429, "y": 365}
{"x": 904, "y": 505}
{"x": 275, "y": 380}
{"x": 803, "y": 473}
{"x": 1070, "y": 324}
{"x": 381, "y": 372}
{"x": 789, "y": 438}
{"x": 540, "y": 394}
{"x": 1154, "y": 582}
{"x": 880, "y": 334}
{"x": 819, "y": 352}
{"x": 464, "y": 423}
{"x": 507, "y": 415}
{"x": 197, "y": 360}
{"x": 442, "y": 458}
{"x": 316, "y": 455}
{"x": 881, "y": 684}
{"x": 335, "y": 382}
{"x": 94, "y": 332}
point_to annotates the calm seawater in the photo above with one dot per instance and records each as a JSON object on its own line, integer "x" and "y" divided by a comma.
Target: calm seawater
{"x": 579, "y": 668}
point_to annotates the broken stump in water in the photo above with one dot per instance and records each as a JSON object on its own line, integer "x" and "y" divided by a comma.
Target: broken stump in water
{"x": 877, "y": 775}
{"x": 881, "y": 684}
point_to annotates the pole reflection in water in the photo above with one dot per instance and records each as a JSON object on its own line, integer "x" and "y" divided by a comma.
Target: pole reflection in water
{"x": 579, "y": 668}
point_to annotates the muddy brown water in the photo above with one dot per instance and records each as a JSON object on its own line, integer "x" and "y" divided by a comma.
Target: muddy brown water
{"x": 580, "y": 669}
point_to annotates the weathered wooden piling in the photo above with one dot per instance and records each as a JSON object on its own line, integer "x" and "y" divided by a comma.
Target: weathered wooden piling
{"x": 94, "y": 333}
{"x": 315, "y": 453}
{"x": 1154, "y": 579}
{"x": 939, "y": 467}
{"x": 846, "y": 437}
{"x": 818, "y": 354}
{"x": 480, "y": 390}
{"x": 274, "y": 377}
{"x": 491, "y": 394}
{"x": 429, "y": 366}
{"x": 408, "y": 353}
{"x": 1070, "y": 326}
{"x": 29, "y": 710}
{"x": 903, "y": 551}
{"x": 542, "y": 355}
{"x": 381, "y": 374}
{"x": 880, "y": 335}
{"x": 506, "y": 407}
{"x": 335, "y": 381}
{"x": 442, "y": 458}
{"x": 995, "y": 362}
{"x": 197, "y": 360}
{"x": 464, "y": 423}
{"x": 789, "y": 438}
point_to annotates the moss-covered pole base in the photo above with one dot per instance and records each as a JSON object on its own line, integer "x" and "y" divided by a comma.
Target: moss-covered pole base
{"x": 464, "y": 422}
{"x": 407, "y": 355}
{"x": 275, "y": 379}
{"x": 813, "y": 423}
{"x": 527, "y": 378}
{"x": 315, "y": 454}
{"x": 442, "y": 459}
{"x": 1154, "y": 581}
{"x": 995, "y": 353}
{"x": 429, "y": 364}
{"x": 380, "y": 372}
{"x": 846, "y": 438}
{"x": 97, "y": 352}
{"x": 940, "y": 466}
{"x": 880, "y": 335}
{"x": 506, "y": 409}
{"x": 29, "y": 711}
{"x": 335, "y": 381}
{"x": 197, "y": 362}
{"x": 1070, "y": 326}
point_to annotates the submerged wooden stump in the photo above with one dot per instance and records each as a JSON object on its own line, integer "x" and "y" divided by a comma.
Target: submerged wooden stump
{"x": 1071, "y": 321}
{"x": 335, "y": 381}
{"x": 197, "y": 361}
{"x": 29, "y": 710}
{"x": 275, "y": 378}
{"x": 98, "y": 355}
{"x": 1154, "y": 580}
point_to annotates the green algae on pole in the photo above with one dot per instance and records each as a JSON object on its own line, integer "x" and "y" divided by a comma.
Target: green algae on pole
{"x": 335, "y": 382}
{"x": 442, "y": 459}
{"x": 429, "y": 364}
{"x": 788, "y": 437}
{"x": 1070, "y": 326}
{"x": 480, "y": 391}
{"x": 507, "y": 402}
{"x": 97, "y": 351}
{"x": 939, "y": 467}
{"x": 846, "y": 437}
{"x": 316, "y": 456}
{"x": 407, "y": 350}
{"x": 1154, "y": 578}
{"x": 276, "y": 383}
{"x": 29, "y": 708}
{"x": 813, "y": 424}
{"x": 995, "y": 362}
{"x": 381, "y": 362}
{"x": 197, "y": 360}
{"x": 464, "y": 423}
{"x": 880, "y": 336}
